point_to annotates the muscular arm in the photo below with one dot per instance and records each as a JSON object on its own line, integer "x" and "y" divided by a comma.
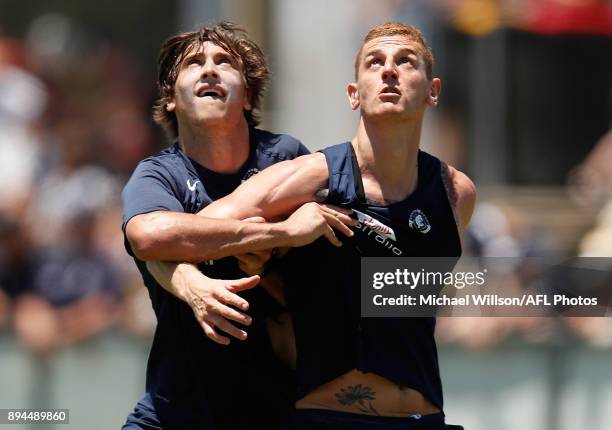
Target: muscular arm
{"x": 216, "y": 232}
{"x": 174, "y": 236}
{"x": 275, "y": 192}
{"x": 279, "y": 189}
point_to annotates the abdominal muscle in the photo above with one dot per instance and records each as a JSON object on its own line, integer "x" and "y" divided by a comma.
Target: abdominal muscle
{"x": 367, "y": 393}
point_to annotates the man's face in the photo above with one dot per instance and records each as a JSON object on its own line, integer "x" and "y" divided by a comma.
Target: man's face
{"x": 392, "y": 79}
{"x": 209, "y": 88}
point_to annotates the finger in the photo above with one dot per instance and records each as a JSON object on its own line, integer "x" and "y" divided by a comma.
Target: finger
{"x": 334, "y": 208}
{"x": 242, "y": 284}
{"x": 250, "y": 269}
{"x": 338, "y": 225}
{"x": 231, "y": 299}
{"x": 230, "y": 314}
{"x": 344, "y": 218}
{"x": 227, "y": 327}
{"x": 211, "y": 333}
{"x": 258, "y": 219}
{"x": 331, "y": 236}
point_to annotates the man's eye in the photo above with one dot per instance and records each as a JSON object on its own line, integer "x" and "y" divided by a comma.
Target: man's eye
{"x": 375, "y": 62}
{"x": 194, "y": 61}
{"x": 405, "y": 60}
{"x": 224, "y": 60}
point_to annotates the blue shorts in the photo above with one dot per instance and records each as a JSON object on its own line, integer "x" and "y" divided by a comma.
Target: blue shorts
{"x": 143, "y": 417}
{"x": 316, "y": 419}
{"x": 150, "y": 415}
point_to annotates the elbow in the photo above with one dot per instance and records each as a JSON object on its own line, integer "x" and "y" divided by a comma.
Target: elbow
{"x": 142, "y": 249}
{"x": 146, "y": 237}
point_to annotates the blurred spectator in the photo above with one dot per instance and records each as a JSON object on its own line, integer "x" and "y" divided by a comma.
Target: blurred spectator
{"x": 15, "y": 264}
{"x": 22, "y": 103}
{"x": 489, "y": 233}
{"x": 73, "y": 292}
{"x": 75, "y": 116}
{"x": 4, "y": 308}
{"x": 74, "y": 185}
{"x": 590, "y": 183}
{"x": 502, "y": 233}
{"x": 597, "y": 242}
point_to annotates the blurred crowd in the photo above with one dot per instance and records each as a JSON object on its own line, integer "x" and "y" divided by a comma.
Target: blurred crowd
{"x": 75, "y": 120}
{"x": 507, "y": 226}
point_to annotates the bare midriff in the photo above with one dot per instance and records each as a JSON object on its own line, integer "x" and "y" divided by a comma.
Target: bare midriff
{"x": 367, "y": 393}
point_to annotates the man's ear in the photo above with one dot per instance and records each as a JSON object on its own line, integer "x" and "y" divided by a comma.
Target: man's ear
{"x": 246, "y": 104}
{"x": 170, "y": 106}
{"x": 434, "y": 92}
{"x": 353, "y": 95}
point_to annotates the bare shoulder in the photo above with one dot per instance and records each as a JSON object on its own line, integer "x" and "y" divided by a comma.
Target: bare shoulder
{"x": 305, "y": 172}
{"x": 462, "y": 194}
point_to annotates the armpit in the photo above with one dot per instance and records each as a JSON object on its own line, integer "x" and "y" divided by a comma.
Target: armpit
{"x": 321, "y": 195}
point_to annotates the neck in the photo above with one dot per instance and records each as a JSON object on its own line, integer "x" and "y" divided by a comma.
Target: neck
{"x": 387, "y": 153}
{"x": 222, "y": 149}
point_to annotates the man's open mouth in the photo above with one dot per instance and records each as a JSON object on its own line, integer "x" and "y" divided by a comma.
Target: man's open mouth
{"x": 390, "y": 91}
{"x": 214, "y": 92}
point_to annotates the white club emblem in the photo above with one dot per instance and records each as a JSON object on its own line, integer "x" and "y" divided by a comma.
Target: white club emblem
{"x": 419, "y": 222}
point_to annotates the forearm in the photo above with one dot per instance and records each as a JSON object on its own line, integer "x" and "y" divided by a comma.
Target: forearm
{"x": 171, "y": 276}
{"x": 172, "y": 236}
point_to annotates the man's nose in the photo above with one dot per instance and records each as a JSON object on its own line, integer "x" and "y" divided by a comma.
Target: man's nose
{"x": 209, "y": 70}
{"x": 389, "y": 70}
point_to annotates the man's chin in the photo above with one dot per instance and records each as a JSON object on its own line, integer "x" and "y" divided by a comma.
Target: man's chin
{"x": 390, "y": 111}
{"x": 213, "y": 118}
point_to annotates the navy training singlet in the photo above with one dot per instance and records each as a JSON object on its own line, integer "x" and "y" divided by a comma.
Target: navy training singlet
{"x": 324, "y": 283}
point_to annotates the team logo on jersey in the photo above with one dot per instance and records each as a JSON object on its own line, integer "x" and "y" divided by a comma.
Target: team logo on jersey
{"x": 375, "y": 225}
{"x": 192, "y": 185}
{"x": 419, "y": 222}
{"x": 250, "y": 173}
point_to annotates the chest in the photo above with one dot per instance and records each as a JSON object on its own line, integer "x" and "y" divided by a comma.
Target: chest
{"x": 198, "y": 187}
{"x": 406, "y": 230}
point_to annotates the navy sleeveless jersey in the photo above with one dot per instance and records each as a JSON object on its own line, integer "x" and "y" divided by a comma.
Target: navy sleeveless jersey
{"x": 324, "y": 282}
{"x": 192, "y": 382}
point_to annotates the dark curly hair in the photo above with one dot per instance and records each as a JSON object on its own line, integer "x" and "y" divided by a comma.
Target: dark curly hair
{"x": 229, "y": 36}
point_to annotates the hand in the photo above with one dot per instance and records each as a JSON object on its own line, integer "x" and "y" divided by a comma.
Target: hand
{"x": 213, "y": 302}
{"x": 313, "y": 220}
{"x": 252, "y": 263}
